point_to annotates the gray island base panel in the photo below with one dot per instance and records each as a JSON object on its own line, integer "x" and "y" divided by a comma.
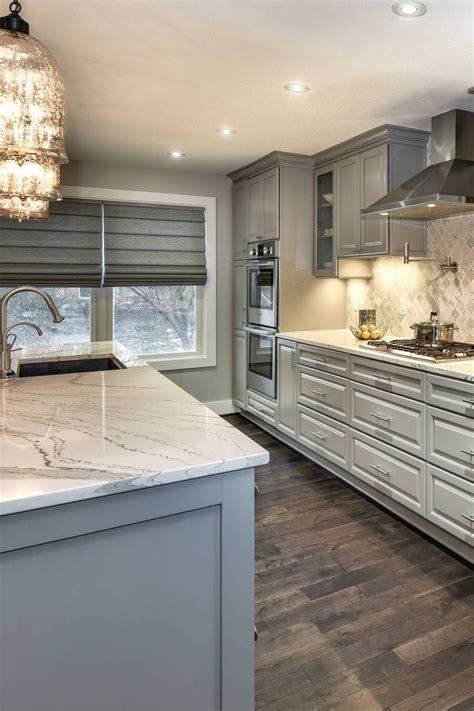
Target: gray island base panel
{"x": 132, "y": 602}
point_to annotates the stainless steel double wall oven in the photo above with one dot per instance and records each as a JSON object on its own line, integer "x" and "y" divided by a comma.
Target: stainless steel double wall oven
{"x": 262, "y": 315}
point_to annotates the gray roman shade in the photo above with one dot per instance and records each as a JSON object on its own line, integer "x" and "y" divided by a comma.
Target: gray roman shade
{"x": 92, "y": 243}
{"x": 151, "y": 244}
{"x": 64, "y": 250}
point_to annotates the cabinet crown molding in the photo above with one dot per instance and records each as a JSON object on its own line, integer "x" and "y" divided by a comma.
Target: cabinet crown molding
{"x": 376, "y": 136}
{"x": 275, "y": 158}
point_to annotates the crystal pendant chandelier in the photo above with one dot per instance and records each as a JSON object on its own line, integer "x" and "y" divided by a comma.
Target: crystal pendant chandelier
{"x": 31, "y": 122}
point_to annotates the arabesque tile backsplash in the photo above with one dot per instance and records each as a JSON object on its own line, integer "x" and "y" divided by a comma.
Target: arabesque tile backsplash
{"x": 425, "y": 287}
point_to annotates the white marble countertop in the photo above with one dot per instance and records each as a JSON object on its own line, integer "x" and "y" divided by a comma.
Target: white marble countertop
{"x": 73, "y": 437}
{"x": 343, "y": 340}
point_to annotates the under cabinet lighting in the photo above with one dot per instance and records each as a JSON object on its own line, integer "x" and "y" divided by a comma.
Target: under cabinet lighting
{"x": 409, "y": 9}
{"x": 226, "y": 131}
{"x": 176, "y": 154}
{"x": 431, "y": 204}
{"x": 295, "y": 87}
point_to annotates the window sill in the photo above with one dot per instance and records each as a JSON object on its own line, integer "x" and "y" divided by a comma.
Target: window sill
{"x": 187, "y": 361}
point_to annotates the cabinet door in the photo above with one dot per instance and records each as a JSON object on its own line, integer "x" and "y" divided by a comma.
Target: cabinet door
{"x": 271, "y": 203}
{"x": 373, "y": 183}
{"x": 255, "y": 187}
{"x": 325, "y": 263}
{"x": 286, "y": 366}
{"x": 240, "y": 296}
{"x": 240, "y": 368}
{"x": 241, "y": 219}
{"x": 347, "y": 204}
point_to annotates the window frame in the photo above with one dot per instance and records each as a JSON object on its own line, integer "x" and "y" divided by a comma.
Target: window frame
{"x": 102, "y": 299}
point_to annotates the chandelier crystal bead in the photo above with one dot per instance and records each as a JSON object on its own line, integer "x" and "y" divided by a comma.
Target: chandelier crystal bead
{"x": 32, "y": 116}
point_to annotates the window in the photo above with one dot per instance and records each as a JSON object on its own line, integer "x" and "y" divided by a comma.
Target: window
{"x": 156, "y": 320}
{"x": 73, "y": 303}
{"x": 174, "y": 326}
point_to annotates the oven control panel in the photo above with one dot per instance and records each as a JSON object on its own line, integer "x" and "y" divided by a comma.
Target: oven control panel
{"x": 263, "y": 249}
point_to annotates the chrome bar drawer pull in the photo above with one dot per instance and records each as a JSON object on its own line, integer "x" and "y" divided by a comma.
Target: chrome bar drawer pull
{"x": 379, "y": 416}
{"x": 319, "y": 360}
{"x": 380, "y": 470}
{"x": 469, "y": 518}
{"x": 470, "y": 452}
{"x": 318, "y": 392}
{"x": 469, "y": 402}
{"x": 318, "y": 435}
{"x": 383, "y": 376}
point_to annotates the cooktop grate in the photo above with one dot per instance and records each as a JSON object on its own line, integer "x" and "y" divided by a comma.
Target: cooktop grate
{"x": 438, "y": 351}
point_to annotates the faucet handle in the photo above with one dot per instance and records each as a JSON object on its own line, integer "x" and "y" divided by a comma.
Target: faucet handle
{"x": 12, "y": 342}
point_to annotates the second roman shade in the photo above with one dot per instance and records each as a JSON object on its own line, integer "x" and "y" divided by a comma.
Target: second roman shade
{"x": 150, "y": 244}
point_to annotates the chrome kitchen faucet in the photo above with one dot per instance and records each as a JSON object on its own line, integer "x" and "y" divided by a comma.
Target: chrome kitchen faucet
{"x": 6, "y": 346}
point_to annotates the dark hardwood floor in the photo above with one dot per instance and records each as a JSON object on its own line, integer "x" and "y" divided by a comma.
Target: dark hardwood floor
{"x": 355, "y": 610}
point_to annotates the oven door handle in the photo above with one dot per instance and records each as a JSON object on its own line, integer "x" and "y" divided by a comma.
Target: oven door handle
{"x": 259, "y": 331}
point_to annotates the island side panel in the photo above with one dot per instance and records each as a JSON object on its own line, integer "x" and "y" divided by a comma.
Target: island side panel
{"x": 130, "y": 616}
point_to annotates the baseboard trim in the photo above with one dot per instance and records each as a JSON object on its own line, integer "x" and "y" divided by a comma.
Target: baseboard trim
{"x": 222, "y": 407}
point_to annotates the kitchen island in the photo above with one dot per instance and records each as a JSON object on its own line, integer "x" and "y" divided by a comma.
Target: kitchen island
{"x": 126, "y": 566}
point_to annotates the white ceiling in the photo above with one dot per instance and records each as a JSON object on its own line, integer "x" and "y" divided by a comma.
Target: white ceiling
{"x": 145, "y": 76}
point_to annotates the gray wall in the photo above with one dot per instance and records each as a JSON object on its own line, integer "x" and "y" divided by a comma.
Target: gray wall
{"x": 206, "y": 384}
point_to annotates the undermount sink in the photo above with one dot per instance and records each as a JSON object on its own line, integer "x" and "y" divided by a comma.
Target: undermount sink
{"x": 62, "y": 367}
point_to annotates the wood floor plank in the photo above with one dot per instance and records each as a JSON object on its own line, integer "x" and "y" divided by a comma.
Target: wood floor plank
{"x": 355, "y": 610}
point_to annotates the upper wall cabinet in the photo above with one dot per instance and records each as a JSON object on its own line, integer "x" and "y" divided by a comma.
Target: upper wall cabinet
{"x": 365, "y": 168}
{"x": 262, "y": 205}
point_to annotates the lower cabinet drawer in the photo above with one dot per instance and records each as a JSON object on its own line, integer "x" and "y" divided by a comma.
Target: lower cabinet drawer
{"x": 328, "y": 394}
{"x": 323, "y": 359}
{"x": 391, "y": 378}
{"x": 323, "y": 435}
{"x": 262, "y": 407}
{"x": 395, "y": 474}
{"x": 391, "y": 418}
{"x": 451, "y": 442}
{"x": 450, "y": 394}
{"x": 450, "y": 503}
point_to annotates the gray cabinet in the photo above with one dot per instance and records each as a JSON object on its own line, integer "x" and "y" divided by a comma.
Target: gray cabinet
{"x": 286, "y": 374}
{"x": 239, "y": 369}
{"x": 263, "y": 191}
{"x": 450, "y": 503}
{"x": 347, "y": 222}
{"x": 325, "y": 264}
{"x": 240, "y": 296}
{"x": 373, "y": 184}
{"x": 366, "y": 168}
{"x": 241, "y": 219}
{"x": 141, "y": 600}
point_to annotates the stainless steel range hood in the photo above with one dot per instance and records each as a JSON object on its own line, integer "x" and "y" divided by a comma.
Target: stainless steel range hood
{"x": 444, "y": 188}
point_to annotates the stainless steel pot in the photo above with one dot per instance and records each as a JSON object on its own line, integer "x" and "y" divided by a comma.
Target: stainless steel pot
{"x": 429, "y": 332}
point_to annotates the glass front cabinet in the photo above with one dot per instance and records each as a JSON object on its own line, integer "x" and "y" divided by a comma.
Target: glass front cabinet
{"x": 325, "y": 263}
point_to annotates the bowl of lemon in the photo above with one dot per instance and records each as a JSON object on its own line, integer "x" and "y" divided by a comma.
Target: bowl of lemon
{"x": 368, "y": 331}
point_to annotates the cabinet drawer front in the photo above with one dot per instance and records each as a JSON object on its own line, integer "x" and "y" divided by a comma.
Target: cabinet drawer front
{"x": 391, "y": 418}
{"x": 326, "y": 393}
{"x": 451, "y": 442}
{"x": 450, "y": 503}
{"x": 261, "y": 407}
{"x": 323, "y": 359}
{"x": 395, "y": 474}
{"x": 449, "y": 394}
{"x": 389, "y": 378}
{"x": 324, "y": 436}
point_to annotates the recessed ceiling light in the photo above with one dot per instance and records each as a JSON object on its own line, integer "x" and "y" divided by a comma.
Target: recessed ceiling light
{"x": 176, "y": 154}
{"x": 385, "y": 214}
{"x": 409, "y": 9}
{"x": 431, "y": 204}
{"x": 296, "y": 87}
{"x": 226, "y": 131}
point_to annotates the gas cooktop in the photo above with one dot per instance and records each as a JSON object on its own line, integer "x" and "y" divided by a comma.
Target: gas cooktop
{"x": 411, "y": 349}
